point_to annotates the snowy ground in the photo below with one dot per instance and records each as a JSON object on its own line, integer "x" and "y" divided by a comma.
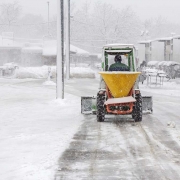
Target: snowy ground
{"x": 42, "y": 72}
{"x": 169, "y": 87}
{"x": 35, "y": 128}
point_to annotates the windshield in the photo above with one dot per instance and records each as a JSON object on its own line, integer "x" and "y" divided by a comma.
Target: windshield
{"x": 111, "y": 59}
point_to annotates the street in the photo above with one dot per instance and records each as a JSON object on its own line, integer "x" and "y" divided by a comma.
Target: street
{"x": 119, "y": 148}
{"x": 71, "y": 146}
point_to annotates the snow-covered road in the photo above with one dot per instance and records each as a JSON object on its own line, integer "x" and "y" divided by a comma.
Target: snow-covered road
{"x": 36, "y": 129}
{"x": 121, "y": 149}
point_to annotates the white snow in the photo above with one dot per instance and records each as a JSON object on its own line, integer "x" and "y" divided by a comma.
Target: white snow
{"x": 169, "y": 88}
{"x": 34, "y": 129}
{"x": 49, "y": 83}
{"x": 11, "y": 65}
{"x": 152, "y": 63}
{"x": 33, "y": 72}
{"x": 50, "y": 49}
{"x": 42, "y": 72}
{"x": 79, "y": 51}
{"x": 171, "y": 124}
{"x": 119, "y": 45}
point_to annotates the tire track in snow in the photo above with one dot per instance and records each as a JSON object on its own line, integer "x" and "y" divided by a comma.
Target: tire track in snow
{"x": 164, "y": 154}
{"x": 141, "y": 153}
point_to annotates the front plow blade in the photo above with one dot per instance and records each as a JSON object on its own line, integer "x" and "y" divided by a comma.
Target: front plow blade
{"x": 88, "y": 105}
{"x": 147, "y": 104}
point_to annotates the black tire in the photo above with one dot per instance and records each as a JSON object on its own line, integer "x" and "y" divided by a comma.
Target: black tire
{"x": 100, "y": 107}
{"x": 137, "y": 114}
{"x": 133, "y": 112}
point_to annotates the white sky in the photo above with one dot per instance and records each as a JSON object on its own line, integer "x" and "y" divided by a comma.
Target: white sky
{"x": 144, "y": 8}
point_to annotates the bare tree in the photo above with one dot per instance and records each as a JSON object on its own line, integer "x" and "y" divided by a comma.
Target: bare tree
{"x": 104, "y": 24}
{"x": 117, "y": 25}
{"x": 10, "y": 13}
{"x": 158, "y": 27}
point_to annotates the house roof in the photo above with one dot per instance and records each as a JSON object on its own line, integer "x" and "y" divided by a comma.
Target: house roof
{"x": 50, "y": 49}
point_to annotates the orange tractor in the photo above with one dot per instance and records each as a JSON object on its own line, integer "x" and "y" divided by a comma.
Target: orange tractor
{"x": 119, "y": 93}
{"x": 119, "y": 97}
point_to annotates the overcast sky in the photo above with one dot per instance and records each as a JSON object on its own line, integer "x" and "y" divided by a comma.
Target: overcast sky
{"x": 144, "y": 8}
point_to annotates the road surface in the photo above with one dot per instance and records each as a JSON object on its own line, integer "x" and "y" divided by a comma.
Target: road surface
{"x": 119, "y": 148}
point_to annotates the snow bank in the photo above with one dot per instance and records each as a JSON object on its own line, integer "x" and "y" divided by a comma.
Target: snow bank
{"x": 82, "y": 72}
{"x": 152, "y": 63}
{"x": 31, "y": 72}
{"x": 162, "y": 63}
{"x": 169, "y": 87}
{"x": 42, "y": 72}
{"x": 10, "y": 65}
{"x": 49, "y": 83}
{"x": 154, "y": 71}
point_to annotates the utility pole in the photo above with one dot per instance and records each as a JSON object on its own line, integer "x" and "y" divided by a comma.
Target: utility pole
{"x": 48, "y": 17}
{"x": 67, "y": 39}
{"x": 60, "y": 50}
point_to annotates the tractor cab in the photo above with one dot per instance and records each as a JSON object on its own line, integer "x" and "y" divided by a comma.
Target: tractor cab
{"x": 127, "y": 52}
{"x": 119, "y": 96}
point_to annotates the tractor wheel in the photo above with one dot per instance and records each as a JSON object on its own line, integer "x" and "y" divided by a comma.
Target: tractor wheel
{"x": 100, "y": 107}
{"x": 137, "y": 114}
{"x": 133, "y": 112}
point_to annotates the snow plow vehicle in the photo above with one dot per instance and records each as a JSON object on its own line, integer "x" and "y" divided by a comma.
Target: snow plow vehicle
{"x": 119, "y": 93}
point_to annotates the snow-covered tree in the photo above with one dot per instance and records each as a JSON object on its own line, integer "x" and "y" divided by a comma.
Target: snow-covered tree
{"x": 105, "y": 24}
{"x": 9, "y": 14}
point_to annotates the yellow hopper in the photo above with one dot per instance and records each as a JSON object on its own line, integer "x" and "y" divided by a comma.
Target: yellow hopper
{"x": 119, "y": 83}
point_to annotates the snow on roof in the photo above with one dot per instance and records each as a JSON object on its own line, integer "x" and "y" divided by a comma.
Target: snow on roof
{"x": 169, "y": 38}
{"x": 160, "y": 39}
{"x": 119, "y": 45}
{"x": 146, "y": 42}
{"x": 8, "y": 43}
{"x": 165, "y": 39}
{"x": 176, "y": 37}
{"x": 51, "y": 50}
{"x": 120, "y": 51}
{"x": 79, "y": 50}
